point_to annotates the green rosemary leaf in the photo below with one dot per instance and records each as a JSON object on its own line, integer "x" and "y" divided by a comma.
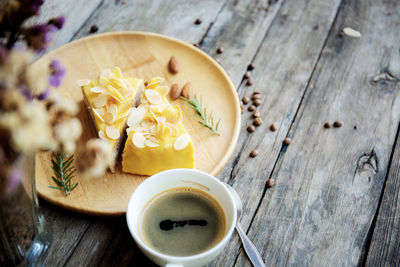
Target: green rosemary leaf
{"x": 55, "y": 187}
{"x": 64, "y": 170}
{"x": 57, "y": 181}
{"x": 73, "y": 187}
{"x": 205, "y": 119}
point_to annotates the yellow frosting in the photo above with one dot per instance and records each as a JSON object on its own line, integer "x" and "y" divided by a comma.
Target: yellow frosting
{"x": 157, "y": 140}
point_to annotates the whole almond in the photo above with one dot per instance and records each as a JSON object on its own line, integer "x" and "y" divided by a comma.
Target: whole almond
{"x": 186, "y": 90}
{"x": 175, "y": 91}
{"x": 173, "y": 65}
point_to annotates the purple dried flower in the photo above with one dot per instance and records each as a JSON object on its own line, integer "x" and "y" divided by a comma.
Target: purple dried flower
{"x": 25, "y": 91}
{"x": 57, "y": 73}
{"x": 34, "y": 6}
{"x": 58, "y": 22}
{"x": 43, "y": 95}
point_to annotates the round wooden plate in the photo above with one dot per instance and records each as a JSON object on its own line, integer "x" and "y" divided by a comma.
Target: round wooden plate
{"x": 142, "y": 55}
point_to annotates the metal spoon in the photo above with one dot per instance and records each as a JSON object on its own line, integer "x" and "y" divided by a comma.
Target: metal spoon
{"x": 249, "y": 247}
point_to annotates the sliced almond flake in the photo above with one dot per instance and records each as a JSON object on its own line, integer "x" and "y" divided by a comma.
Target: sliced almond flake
{"x": 114, "y": 93}
{"x": 153, "y": 129}
{"x": 108, "y": 117}
{"x": 117, "y": 83}
{"x": 153, "y": 96}
{"x": 138, "y": 140}
{"x": 163, "y": 90}
{"x": 96, "y": 113}
{"x": 117, "y": 72}
{"x": 146, "y": 124}
{"x": 113, "y": 109}
{"x": 98, "y": 89}
{"x": 159, "y": 108}
{"x": 136, "y": 116}
{"x": 112, "y": 132}
{"x": 107, "y": 73}
{"x": 151, "y": 144}
{"x": 351, "y": 32}
{"x": 161, "y": 119}
{"x": 174, "y": 129}
{"x": 100, "y": 111}
{"x": 100, "y": 101}
{"x": 153, "y": 139}
{"x": 181, "y": 142}
{"x": 82, "y": 82}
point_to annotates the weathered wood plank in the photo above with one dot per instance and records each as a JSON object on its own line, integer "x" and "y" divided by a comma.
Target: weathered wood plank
{"x": 76, "y": 13}
{"x": 329, "y": 180}
{"x": 173, "y": 18}
{"x": 384, "y": 249}
{"x": 239, "y": 30}
{"x": 283, "y": 66}
{"x": 67, "y": 230}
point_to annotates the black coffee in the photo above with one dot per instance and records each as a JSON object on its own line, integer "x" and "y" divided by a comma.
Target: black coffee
{"x": 182, "y": 221}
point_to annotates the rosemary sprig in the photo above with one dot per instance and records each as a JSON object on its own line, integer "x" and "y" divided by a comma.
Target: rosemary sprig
{"x": 63, "y": 171}
{"x": 207, "y": 120}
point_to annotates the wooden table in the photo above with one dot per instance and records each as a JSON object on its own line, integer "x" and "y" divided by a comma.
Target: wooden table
{"x": 336, "y": 201}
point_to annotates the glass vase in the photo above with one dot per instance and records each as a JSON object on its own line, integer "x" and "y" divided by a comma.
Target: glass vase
{"x": 24, "y": 235}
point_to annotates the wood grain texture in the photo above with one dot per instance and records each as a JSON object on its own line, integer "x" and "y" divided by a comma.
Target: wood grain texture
{"x": 76, "y": 12}
{"x": 239, "y": 29}
{"x": 172, "y": 18}
{"x": 141, "y": 55}
{"x": 283, "y": 66}
{"x": 384, "y": 249}
{"x": 329, "y": 180}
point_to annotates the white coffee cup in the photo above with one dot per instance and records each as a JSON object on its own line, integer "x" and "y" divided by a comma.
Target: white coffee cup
{"x": 180, "y": 178}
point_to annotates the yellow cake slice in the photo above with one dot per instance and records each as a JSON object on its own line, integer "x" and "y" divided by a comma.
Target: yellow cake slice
{"x": 157, "y": 140}
{"x": 109, "y": 99}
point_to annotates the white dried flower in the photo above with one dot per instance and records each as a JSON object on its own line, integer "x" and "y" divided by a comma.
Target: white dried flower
{"x": 67, "y": 133}
{"x": 94, "y": 159}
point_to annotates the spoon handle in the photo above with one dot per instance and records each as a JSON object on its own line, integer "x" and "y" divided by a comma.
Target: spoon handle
{"x": 249, "y": 247}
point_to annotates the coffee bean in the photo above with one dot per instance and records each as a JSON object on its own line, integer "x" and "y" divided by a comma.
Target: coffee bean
{"x": 255, "y": 97}
{"x": 220, "y": 50}
{"x": 257, "y": 122}
{"x": 186, "y": 90}
{"x": 257, "y": 102}
{"x": 256, "y": 114}
{"x": 272, "y": 127}
{"x": 247, "y": 75}
{"x": 256, "y": 92}
{"x": 270, "y": 182}
{"x": 287, "y": 141}
{"x": 249, "y": 81}
{"x": 251, "y": 108}
{"x": 337, "y": 124}
{"x": 93, "y": 29}
{"x": 250, "y": 66}
{"x": 245, "y": 100}
{"x": 315, "y": 27}
{"x": 327, "y": 125}
{"x": 250, "y": 128}
{"x": 254, "y": 153}
{"x": 198, "y": 21}
{"x": 196, "y": 45}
